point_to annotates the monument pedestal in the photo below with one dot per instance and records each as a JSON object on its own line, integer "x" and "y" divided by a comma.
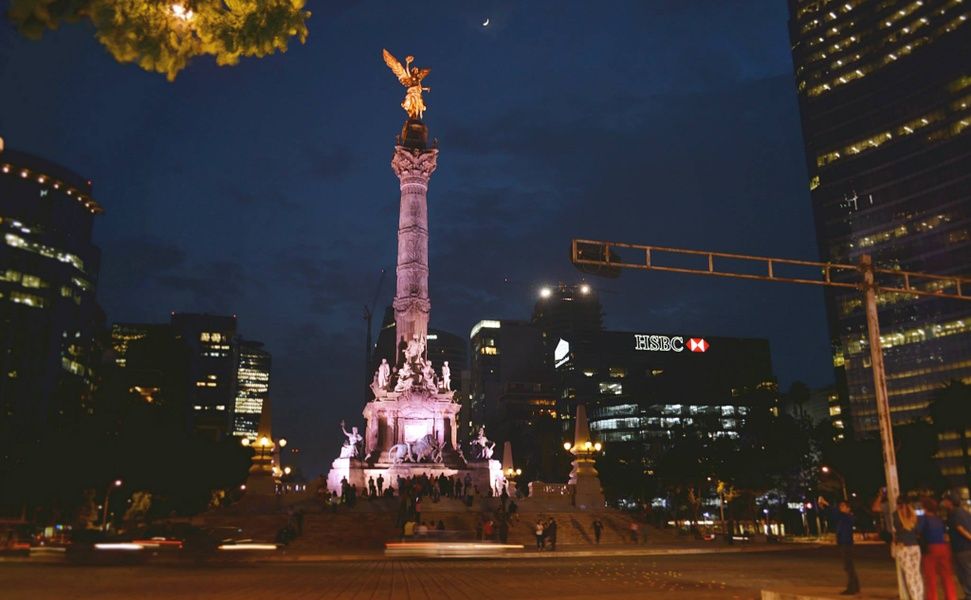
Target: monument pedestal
{"x": 587, "y": 493}
{"x": 351, "y": 469}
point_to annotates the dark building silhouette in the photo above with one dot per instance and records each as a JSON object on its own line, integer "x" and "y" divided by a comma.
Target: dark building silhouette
{"x": 512, "y": 394}
{"x": 50, "y": 322}
{"x": 885, "y": 97}
{"x": 212, "y": 370}
{"x": 151, "y": 365}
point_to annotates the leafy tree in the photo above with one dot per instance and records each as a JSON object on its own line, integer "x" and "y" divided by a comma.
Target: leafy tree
{"x": 951, "y": 413}
{"x": 164, "y": 35}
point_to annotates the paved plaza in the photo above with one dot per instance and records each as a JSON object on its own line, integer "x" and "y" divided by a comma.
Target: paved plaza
{"x": 730, "y": 575}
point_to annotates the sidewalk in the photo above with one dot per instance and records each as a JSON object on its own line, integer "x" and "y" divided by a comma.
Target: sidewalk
{"x": 882, "y": 593}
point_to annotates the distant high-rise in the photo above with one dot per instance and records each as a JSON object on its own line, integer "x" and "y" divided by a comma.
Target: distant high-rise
{"x": 252, "y": 387}
{"x": 885, "y": 95}
{"x": 212, "y": 370}
{"x": 151, "y": 363}
{"x": 512, "y": 392}
{"x": 50, "y": 322}
{"x": 568, "y": 310}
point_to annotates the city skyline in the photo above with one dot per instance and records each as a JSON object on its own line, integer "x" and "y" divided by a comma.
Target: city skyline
{"x": 247, "y": 224}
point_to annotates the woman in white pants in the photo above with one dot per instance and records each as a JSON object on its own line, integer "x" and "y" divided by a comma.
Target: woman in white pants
{"x": 906, "y": 548}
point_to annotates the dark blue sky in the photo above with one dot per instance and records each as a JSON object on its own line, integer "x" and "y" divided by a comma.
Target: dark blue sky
{"x": 265, "y": 189}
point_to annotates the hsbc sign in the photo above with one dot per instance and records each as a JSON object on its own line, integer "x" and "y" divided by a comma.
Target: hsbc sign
{"x": 663, "y": 343}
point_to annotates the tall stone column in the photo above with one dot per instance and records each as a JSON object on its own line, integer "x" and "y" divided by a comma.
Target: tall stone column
{"x": 414, "y": 166}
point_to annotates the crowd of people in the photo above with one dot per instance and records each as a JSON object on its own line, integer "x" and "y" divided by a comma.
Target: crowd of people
{"x": 930, "y": 540}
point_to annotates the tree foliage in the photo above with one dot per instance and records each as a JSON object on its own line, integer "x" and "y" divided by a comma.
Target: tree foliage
{"x": 164, "y": 35}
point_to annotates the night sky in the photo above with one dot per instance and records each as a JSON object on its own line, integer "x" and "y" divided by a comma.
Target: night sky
{"x": 265, "y": 189}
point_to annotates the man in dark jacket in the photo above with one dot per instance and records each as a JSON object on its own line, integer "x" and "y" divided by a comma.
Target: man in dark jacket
{"x": 842, "y": 519}
{"x": 550, "y": 532}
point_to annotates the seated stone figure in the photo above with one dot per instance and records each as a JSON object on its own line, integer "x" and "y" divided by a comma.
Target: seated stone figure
{"x": 482, "y": 447}
{"x": 405, "y": 375}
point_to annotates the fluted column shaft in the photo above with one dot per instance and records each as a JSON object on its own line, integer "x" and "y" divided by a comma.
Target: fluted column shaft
{"x": 412, "y": 306}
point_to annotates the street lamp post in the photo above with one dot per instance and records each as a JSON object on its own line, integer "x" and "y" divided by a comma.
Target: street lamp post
{"x": 104, "y": 515}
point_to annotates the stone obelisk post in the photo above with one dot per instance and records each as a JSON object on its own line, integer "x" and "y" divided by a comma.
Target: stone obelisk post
{"x": 413, "y": 163}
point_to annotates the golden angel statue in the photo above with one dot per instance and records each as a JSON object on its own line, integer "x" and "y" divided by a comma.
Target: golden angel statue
{"x": 411, "y": 78}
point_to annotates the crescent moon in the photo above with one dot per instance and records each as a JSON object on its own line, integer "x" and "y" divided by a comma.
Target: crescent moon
{"x": 485, "y": 23}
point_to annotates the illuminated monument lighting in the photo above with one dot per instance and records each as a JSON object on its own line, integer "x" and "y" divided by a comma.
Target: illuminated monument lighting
{"x": 412, "y": 422}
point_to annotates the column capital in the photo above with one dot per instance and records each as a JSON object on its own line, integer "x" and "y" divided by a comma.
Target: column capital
{"x": 413, "y": 165}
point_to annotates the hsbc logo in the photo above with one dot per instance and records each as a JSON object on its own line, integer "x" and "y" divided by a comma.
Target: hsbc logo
{"x": 658, "y": 343}
{"x": 697, "y": 345}
{"x": 663, "y": 343}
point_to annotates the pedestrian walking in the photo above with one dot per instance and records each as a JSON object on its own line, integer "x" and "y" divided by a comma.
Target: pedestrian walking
{"x": 906, "y": 548}
{"x": 634, "y": 529}
{"x": 936, "y": 561}
{"x": 598, "y": 528}
{"x": 961, "y": 543}
{"x": 540, "y": 531}
{"x": 843, "y": 520}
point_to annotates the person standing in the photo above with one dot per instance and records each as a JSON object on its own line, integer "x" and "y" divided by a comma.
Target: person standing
{"x": 961, "y": 543}
{"x": 551, "y": 533}
{"x": 843, "y": 520}
{"x": 380, "y": 484}
{"x": 906, "y": 547}
{"x": 936, "y": 561}
{"x": 633, "y": 532}
{"x": 540, "y": 532}
{"x": 371, "y": 488}
{"x": 488, "y": 530}
{"x": 598, "y": 528}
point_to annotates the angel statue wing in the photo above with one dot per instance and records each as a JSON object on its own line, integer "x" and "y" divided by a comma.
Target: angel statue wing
{"x": 400, "y": 72}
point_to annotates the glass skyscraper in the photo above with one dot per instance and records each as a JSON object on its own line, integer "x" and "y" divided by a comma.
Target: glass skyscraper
{"x": 252, "y": 387}
{"x": 885, "y": 96}
{"x": 49, "y": 318}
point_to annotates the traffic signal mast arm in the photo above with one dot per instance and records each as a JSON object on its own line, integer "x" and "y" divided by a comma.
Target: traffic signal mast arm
{"x": 604, "y": 257}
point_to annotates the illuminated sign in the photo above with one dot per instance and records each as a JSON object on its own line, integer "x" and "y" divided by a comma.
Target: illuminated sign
{"x": 658, "y": 343}
{"x": 697, "y": 345}
{"x": 561, "y": 353}
{"x": 663, "y": 343}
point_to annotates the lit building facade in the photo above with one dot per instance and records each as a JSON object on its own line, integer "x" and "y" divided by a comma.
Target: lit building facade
{"x": 252, "y": 387}
{"x": 50, "y": 322}
{"x": 885, "y": 97}
{"x": 642, "y": 387}
{"x": 212, "y": 370}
